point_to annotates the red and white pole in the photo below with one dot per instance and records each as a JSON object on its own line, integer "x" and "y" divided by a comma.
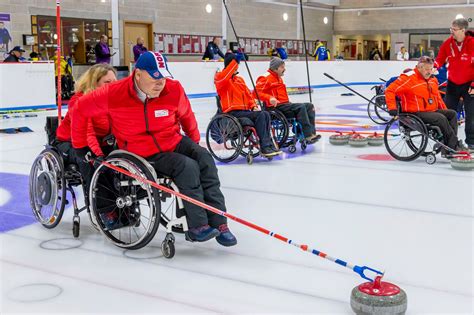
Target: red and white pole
{"x": 58, "y": 56}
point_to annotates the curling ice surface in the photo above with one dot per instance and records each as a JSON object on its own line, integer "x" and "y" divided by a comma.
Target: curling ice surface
{"x": 413, "y": 220}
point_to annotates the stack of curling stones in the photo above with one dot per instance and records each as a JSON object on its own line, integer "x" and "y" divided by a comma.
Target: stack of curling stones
{"x": 463, "y": 162}
{"x": 378, "y": 298}
{"x": 355, "y": 139}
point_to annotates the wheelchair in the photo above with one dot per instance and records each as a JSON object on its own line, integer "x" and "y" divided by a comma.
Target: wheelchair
{"x": 287, "y": 131}
{"x": 50, "y": 180}
{"x": 227, "y": 137}
{"x": 377, "y": 107}
{"x": 139, "y": 207}
{"x": 408, "y": 137}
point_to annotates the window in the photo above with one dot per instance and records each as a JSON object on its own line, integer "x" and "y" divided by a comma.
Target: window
{"x": 425, "y": 44}
{"x": 78, "y": 37}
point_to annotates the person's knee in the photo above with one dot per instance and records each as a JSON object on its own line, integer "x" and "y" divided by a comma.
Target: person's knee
{"x": 187, "y": 173}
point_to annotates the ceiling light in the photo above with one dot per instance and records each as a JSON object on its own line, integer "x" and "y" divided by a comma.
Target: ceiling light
{"x": 285, "y": 16}
{"x": 459, "y": 16}
{"x": 208, "y": 8}
{"x": 325, "y": 20}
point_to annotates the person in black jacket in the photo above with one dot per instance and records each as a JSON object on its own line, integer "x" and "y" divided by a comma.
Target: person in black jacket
{"x": 213, "y": 50}
{"x": 14, "y": 55}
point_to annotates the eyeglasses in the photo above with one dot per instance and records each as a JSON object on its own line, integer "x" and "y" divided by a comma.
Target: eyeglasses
{"x": 452, "y": 29}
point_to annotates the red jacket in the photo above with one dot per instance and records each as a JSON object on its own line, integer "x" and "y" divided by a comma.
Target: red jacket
{"x": 97, "y": 127}
{"x": 415, "y": 93}
{"x": 143, "y": 129}
{"x": 233, "y": 92}
{"x": 461, "y": 63}
{"x": 272, "y": 85}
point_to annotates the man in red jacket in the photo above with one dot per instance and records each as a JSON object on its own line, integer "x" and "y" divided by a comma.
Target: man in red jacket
{"x": 147, "y": 111}
{"x": 237, "y": 101}
{"x": 419, "y": 95}
{"x": 272, "y": 90}
{"x": 458, "y": 52}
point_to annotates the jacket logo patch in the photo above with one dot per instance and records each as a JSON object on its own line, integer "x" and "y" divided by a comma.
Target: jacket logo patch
{"x": 161, "y": 113}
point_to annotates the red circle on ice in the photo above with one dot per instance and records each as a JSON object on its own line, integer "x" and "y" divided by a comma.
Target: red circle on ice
{"x": 376, "y": 157}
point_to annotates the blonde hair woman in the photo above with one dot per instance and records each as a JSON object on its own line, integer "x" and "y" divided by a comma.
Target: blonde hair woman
{"x": 98, "y": 127}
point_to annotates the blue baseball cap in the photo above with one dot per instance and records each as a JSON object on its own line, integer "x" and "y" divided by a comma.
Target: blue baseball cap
{"x": 155, "y": 64}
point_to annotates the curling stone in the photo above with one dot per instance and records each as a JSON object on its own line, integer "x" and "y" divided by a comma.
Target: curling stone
{"x": 378, "y": 298}
{"x": 339, "y": 139}
{"x": 356, "y": 140}
{"x": 375, "y": 139}
{"x": 465, "y": 163}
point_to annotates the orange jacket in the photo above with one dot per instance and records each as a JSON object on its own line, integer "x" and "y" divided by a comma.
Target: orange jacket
{"x": 415, "y": 93}
{"x": 271, "y": 85}
{"x": 233, "y": 92}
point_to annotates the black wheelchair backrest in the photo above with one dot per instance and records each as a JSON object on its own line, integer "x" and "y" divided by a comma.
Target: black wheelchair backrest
{"x": 52, "y": 124}
{"x": 218, "y": 103}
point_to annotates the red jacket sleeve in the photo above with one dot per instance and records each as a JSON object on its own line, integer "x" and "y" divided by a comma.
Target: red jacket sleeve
{"x": 186, "y": 117}
{"x": 222, "y": 78}
{"x": 262, "y": 87}
{"x": 442, "y": 54}
{"x": 397, "y": 87}
{"x": 92, "y": 142}
{"x": 88, "y": 106}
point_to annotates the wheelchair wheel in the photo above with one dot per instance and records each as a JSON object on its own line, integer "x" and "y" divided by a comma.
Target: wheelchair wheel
{"x": 251, "y": 144}
{"x": 127, "y": 211}
{"x": 280, "y": 129}
{"x": 405, "y": 138}
{"x": 47, "y": 188}
{"x": 378, "y": 112}
{"x": 224, "y": 138}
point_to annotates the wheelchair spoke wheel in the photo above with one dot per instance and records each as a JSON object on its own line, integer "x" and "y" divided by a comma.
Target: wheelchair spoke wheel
{"x": 224, "y": 138}
{"x": 405, "y": 138}
{"x": 126, "y": 211}
{"x": 280, "y": 129}
{"x": 251, "y": 145}
{"x": 378, "y": 112}
{"x": 47, "y": 188}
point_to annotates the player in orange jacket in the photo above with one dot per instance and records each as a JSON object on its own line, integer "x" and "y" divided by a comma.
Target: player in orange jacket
{"x": 237, "y": 101}
{"x": 419, "y": 95}
{"x": 272, "y": 90}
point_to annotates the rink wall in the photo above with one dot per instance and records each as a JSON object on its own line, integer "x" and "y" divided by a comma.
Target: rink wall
{"x": 31, "y": 85}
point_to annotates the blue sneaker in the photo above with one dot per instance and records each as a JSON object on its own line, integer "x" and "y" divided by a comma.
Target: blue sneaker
{"x": 110, "y": 220}
{"x": 201, "y": 233}
{"x": 226, "y": 238}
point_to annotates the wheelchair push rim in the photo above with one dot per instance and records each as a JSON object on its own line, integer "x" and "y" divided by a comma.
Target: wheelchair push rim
{"x": 377, "y": 110}
{"x": 133, "y": 207}
{"x": 405, "y": 138}
{"x": 280, "y": 128}
{"x": 224, "y": 138}
{"x": 47, "y": 188}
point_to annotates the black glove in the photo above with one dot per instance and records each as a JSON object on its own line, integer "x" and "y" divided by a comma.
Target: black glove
{"x": 97, "y": 161}
{"x": 393, "y": 112}
{"x": 84, "y": 154}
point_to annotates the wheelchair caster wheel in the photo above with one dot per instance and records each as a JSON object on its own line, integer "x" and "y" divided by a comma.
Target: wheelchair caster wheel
{"x": 292, "y": 149}
{"x": 303, "y": 145}
{"x": 430, "y": 159}
{"x": 76, "y": 226}
{"x": 167, "y": 248}
{"x": 249, "y": 159}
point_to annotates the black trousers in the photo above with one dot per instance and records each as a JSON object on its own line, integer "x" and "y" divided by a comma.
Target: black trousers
{"x": 453, "y": 94}
{"x": 447, "y": 121}
{"x": 304, "y": 113}
{"x": 193, "y": 170}
{"x": 261, "y": 120}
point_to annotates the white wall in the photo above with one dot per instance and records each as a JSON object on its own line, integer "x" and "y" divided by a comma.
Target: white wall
{"x": 197, "y": 78}
{"x": 26, "y": 85}
{"x": 32, "y": 85}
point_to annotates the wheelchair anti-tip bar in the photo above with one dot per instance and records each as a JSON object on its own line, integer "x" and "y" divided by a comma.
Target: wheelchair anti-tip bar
{"x": 360, "y": 270}
{"x": 352, "y": 90}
